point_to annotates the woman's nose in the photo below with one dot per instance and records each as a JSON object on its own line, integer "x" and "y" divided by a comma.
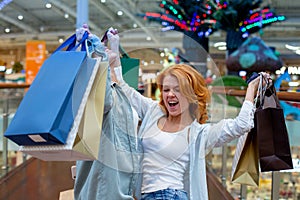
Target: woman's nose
{"x": 171, "y": 93}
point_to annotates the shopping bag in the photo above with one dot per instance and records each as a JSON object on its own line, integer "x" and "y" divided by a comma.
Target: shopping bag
{"x": 66, "y": 195}
{"x": 84, "y": 138}
{"x": 273, "y": 140}
{"x": 47, "y": 111}
{"x": 245, "y": 168}
{"x": 130, "y": 69}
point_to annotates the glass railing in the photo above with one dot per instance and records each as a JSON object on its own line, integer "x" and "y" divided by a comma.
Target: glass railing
{"x": 11, "y": 95}
{"x": 284, "y": 185}
{"x": 272, "y": 185}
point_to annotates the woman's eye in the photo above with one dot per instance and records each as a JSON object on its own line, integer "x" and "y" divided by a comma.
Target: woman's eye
{"x": 166, "y": 90}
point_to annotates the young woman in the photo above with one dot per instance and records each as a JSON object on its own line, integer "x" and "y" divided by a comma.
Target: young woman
{"x": 174, "y": 136}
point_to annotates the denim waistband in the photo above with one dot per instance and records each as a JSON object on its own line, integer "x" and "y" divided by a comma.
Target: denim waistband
{"x": 165, "y": 194}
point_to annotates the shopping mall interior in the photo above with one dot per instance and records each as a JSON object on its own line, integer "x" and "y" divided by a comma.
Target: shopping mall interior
{"x": 217, "y": 37}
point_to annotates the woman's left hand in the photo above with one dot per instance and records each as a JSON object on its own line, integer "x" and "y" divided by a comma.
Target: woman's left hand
{"x": 253, "y": 86}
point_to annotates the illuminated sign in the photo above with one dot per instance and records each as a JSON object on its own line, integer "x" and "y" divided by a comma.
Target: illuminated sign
{"x": 295, "y": 70}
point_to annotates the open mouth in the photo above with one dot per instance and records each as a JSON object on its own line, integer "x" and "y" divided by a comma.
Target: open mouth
{"x": 172, "y": 103}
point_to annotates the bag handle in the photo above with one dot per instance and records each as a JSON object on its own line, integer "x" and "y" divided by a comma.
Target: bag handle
{"x": 267, "y": 89}
{"x": 123, "y": 52}
{"x": 71, "y": 45}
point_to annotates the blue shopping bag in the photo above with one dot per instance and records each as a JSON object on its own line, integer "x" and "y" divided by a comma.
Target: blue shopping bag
{"x": 47, "y": 111}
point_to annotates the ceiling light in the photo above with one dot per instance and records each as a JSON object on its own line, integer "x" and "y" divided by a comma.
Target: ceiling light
{"x": 297, "y": 51}
{"x": 120, "y": 12}
{"x": 103, "y": 1}
{"x": 66, "y": 15}
{"x": 48, "y": 5}
{"x": 242, "y": 73}
{"x": 134, "y": 25}
{"x": 148, "y": 38}
{"x": 222, "y": 48}
{"x": 7, "y": 30}
{"x": 60, "y": 40}
{"x": 218, "y": 44}
{"x": 290, "y": 47}
{"x": 20, "y": 17}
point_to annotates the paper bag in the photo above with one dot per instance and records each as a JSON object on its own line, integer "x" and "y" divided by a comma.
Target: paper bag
{"x": 245, "y": 168}
{"x": 47, "y": 111}
{"x": 273, "y": 140}
{"x": 84, "y": 139}
{"x": 67, "y": 195}
{"x": 130, "y": 69}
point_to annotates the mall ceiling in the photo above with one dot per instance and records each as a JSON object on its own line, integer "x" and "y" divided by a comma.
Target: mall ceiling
{"x": 59, "y": 21}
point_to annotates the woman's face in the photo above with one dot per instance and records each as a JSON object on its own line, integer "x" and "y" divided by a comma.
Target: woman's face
{"x": 175, "y": 102}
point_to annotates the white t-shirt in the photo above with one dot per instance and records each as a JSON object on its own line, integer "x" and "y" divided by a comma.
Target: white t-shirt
{"x": 166, "y": 158}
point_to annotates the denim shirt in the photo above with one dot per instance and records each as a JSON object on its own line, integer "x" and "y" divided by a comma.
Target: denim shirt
{"x": 113, "y": 175}
{"x": 202, "y": 139}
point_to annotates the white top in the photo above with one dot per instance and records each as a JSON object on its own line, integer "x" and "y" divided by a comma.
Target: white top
{"x": 166, "y": 157}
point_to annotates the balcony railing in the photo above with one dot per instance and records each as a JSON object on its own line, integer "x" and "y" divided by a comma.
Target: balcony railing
{"x": 274, "y": 185}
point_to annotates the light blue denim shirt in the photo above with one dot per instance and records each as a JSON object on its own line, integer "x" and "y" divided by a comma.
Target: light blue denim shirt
{"x": 113, "y": 175}
{"x": 202, "y": 139}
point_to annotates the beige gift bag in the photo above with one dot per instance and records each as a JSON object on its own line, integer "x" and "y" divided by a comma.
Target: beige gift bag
{"x": 245, "y": 168}
{"x": 67, "y": 195}
{"x": 84, "y": 138}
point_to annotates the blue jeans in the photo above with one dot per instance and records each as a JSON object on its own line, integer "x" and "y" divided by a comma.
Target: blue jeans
{"x": 166, "y": 194}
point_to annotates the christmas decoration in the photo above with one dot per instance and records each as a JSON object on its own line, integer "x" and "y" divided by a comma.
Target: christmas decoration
{"x": 194, "y": 18}
{"x": 254, "y": 56}
{"x": 240, "y": 18}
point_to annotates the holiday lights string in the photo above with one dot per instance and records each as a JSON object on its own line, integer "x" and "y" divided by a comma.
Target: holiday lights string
{"x": 206, "y": 16}
{"x": 185, "y": 16}
{"x": 259, "y": 20}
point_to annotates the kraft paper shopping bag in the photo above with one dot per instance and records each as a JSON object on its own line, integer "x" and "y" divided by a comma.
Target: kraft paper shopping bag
{"x": 245, "y": 168}
{"x": 47, "y": 111}
{"x": 84, "y": 139}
